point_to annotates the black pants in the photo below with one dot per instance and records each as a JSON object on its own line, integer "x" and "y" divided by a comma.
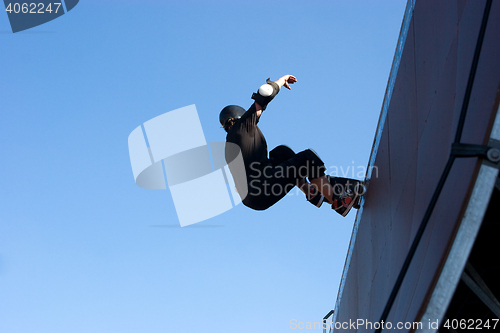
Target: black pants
{"x": 275, "y": 179}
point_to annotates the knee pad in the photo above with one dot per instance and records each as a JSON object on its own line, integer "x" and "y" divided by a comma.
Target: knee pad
{"x": 266, "y": 93}
{"x": 314, "y": 156}
{"x": 280, "y": 154}
{"x": 317, "y": 167}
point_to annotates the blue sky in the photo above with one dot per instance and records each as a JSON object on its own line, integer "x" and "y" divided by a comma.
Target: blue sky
{"x": 83, "y": 249}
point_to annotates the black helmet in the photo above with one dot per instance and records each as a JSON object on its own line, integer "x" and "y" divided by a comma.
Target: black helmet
{"x": 230, "y": 111}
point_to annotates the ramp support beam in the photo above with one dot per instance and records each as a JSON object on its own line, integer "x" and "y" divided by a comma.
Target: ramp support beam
{"x": 476, "y": 284}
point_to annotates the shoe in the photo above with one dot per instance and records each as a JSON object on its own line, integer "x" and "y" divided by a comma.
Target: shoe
{"x": 343, "y": 205}
{"x": 347, "y": 193}
{"x": 317, "y": 198}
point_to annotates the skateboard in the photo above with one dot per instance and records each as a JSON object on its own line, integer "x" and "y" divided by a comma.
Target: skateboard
{"x": 346, "y": 193}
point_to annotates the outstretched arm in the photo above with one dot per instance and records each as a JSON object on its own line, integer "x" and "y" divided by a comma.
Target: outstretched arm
{"x": 283, "y": 81}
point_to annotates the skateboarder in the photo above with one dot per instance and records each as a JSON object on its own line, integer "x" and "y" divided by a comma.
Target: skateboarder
{"x": 268, "y": 179}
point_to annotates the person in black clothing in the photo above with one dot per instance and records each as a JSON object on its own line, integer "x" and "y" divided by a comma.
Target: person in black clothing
{"x": 269, "y": 179}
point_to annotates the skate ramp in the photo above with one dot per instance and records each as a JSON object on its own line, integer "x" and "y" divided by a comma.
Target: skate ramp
{"x": 426, "y": 201}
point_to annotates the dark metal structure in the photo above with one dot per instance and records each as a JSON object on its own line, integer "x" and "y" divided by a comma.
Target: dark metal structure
{"x": 433, "y": 170}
